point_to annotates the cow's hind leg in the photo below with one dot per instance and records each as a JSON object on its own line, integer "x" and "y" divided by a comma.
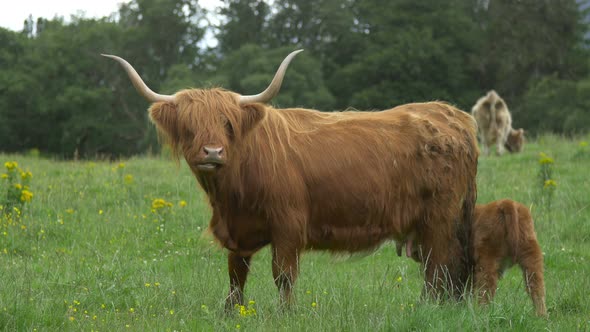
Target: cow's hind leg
{"x": 285, "y": 267}
{"x": 443, "y": 268}
{"x": 531, "y": 262}
{"x": 238, "y": 268}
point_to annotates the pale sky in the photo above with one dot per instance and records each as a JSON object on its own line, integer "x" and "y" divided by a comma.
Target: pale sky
{"x": 14, "y": 12}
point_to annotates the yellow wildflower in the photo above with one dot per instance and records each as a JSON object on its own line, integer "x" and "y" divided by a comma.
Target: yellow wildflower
{"x": 545, "y": 159}
{"x": 160, "y": 203}
{"x": 10, "y": 165}
{"x": 26, "y": 175}
{"x": 18, "y": 186}
{"x": 583, "y": 144}
{"x": 550, "y": 184}
{"x": 399, "y": 279}
{"x": 245, "y": 312}
{"x": 4, "y": 176}
{"x": 26, "y": 196}
{"x": 70, "y": 211}
{"x": 128, "y": 179}
{"x": 313, "y": 304}
{"x": 182, "y": 203}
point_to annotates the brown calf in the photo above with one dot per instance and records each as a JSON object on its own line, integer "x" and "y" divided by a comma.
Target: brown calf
{"x": 504, "y": 235}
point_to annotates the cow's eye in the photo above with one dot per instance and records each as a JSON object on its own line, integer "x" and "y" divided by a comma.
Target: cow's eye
{"x": 229, "y": 130}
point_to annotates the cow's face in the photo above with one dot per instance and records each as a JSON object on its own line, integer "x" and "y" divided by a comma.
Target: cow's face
{"x": 205, "y": 126}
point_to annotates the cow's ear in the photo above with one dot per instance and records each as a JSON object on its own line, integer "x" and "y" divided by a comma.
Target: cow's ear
{"x": 165, "y": 116}
{"x": 252, "y": 115}
{"x": 521, "y": 132}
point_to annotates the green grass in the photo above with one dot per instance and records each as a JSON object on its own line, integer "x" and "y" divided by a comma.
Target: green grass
{"x": 68, "y": 266}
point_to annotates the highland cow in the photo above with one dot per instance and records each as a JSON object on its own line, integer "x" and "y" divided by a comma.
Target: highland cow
{"x": 494, "y": 122}
{"x": 298, "y": 179}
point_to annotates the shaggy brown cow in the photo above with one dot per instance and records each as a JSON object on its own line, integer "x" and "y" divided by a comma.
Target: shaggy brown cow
{"x": 301, "y": 179}
{"x": 495, "y": 125}
{"x": 503, "y": 234}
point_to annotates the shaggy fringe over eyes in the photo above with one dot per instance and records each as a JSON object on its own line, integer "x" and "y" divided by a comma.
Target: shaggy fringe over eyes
{"x": 165, "y": 116}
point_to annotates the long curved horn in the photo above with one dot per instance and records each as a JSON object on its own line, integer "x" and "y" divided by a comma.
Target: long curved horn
{"x": 138, "y": 83}
{"x": 275, "y": 85}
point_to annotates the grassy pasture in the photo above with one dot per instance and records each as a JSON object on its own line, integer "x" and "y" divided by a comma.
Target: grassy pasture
{"x": 95, "y": 250}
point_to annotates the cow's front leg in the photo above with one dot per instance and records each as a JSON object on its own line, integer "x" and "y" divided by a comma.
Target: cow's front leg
{"x": 238, "y": 268}
{"x": 285, "y": 267}
{"x": 486, "y": 278}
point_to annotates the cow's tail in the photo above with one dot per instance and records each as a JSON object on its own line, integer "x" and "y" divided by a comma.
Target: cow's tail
{"x": 493, "y": 123}
{"x": 464, "y": 235}
{"x": 509, "y": 217}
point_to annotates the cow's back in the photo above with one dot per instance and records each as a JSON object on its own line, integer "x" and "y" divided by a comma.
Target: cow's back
{"x": 374, "y": 176}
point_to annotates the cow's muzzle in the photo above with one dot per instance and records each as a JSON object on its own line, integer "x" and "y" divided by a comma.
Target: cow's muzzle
{"x": 214, "y": 158}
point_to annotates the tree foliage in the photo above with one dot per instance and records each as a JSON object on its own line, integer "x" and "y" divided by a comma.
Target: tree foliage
{"x": 58, "y": 95}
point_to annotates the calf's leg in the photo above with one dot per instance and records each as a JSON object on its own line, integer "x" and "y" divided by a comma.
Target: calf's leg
{"x": 486, "y": 278}
{"x": 531, "y": 262}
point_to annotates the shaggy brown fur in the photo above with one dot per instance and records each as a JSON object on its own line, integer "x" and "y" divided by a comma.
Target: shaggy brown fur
{"x": 503, "y": 234}
{"x": 300, "y": 179}
{"x": 495, "y": 125}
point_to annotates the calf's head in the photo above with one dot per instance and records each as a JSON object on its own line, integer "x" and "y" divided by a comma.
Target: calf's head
{"x": 205, "y": 124}
{"x": 515, "y": 140}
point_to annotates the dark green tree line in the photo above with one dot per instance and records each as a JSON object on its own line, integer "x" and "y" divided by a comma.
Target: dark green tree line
{"x": 58, "y": 95}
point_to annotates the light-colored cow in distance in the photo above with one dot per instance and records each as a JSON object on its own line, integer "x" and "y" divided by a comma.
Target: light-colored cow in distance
{"x": 495, "y": 125}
